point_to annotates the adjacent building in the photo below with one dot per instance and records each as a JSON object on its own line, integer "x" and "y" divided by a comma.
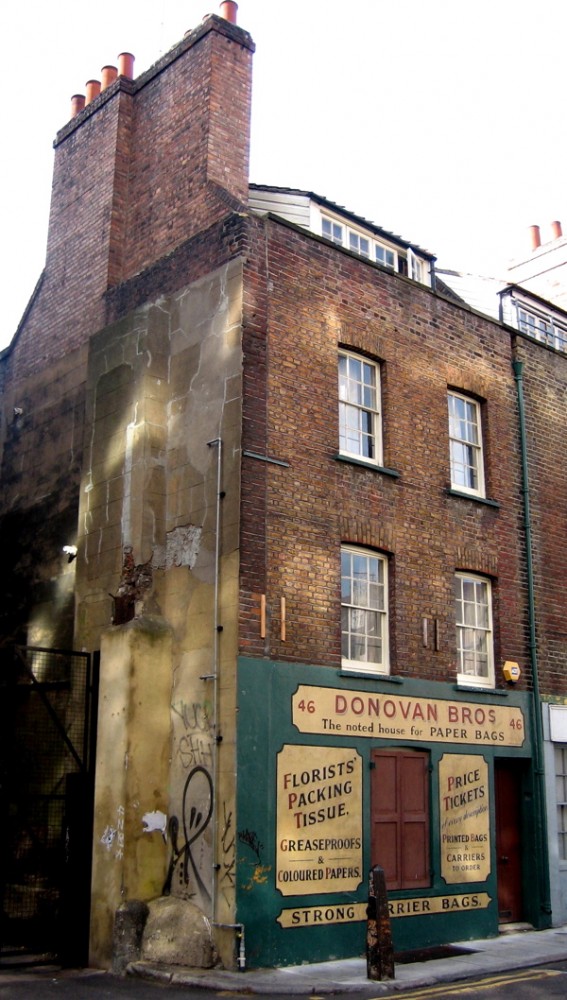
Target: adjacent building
{"x": 284, "y": 526}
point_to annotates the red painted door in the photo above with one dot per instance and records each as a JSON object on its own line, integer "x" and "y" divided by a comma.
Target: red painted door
{"x": 400, "y": 817}
{"x": 508, "y": 788}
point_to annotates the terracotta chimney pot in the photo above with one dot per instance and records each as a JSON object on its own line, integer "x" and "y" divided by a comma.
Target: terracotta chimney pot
{"x": 92, "y": 90}
{"x": 556, "y": 230}
{"x": 126, "y": 65}
{"x": 108, "y": 75}
{"x": 535, "y": 237}
{"x": 77, "y": 104}
{"x": 228, "y": 10}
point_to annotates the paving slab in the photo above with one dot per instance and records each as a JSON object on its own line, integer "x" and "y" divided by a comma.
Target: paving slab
{"x": 490, "y": 956}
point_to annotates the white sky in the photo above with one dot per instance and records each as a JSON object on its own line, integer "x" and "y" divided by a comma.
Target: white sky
{"x": 441, "y": 120}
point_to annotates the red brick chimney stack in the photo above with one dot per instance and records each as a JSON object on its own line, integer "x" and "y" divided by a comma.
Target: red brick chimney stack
{"x": 126, "y": 65}
{"x": 228, "y": 10}
{"x": 77, "y": 104}
{"x": 108, "y": 75}
{"x": 92, "y": 90}
{"x": 535, "y": 237}
{"x": 141, "y": 170}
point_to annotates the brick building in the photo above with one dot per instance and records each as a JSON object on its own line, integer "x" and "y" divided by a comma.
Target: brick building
{"x": 541, "y": 270}
{"x": 299, "y": 513}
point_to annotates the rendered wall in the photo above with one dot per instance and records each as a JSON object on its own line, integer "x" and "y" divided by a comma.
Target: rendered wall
{"x": 131, "y": 772}
{"x": 163, "y": 409}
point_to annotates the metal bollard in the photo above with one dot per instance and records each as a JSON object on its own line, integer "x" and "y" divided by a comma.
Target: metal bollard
{"x": 379, "y": 948}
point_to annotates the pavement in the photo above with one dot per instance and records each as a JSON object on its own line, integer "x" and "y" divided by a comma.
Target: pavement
{"x": 513, "y": 950}
{"x": 520, "y": 949}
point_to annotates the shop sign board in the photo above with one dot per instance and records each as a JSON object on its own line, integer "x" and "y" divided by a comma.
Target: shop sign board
{"x": 464, "y": 817}
{"x": 418, "y": 906}
{"x": 342, "y": 913}
{"x": 319, "y": 820}
{"x": 339, "y": 712}
{"x": 316, "y": 916}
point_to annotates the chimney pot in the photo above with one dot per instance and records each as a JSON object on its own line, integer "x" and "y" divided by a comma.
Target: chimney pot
{"x": 228, "y": 10}
{"x": 556, "y": 230}
{"x": 77, "y": 104}
{"x": 126, "y": 65}
{"x": 108, "y": 75}
{"x": 535, "y": 237}
{"x": 92, "y": 90}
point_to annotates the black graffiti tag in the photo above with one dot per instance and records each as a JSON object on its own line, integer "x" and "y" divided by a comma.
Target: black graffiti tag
{"x": 227, "y": 843}
{"x": 194, "y": 750}
{"x": 251, "y": 838}
{"x": 195, "y": 823}
{"x": 195, "y": 716}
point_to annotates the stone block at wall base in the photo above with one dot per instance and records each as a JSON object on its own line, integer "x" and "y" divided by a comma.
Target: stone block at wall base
{"x": 177, "y": 933}
{"x": 129, "y": 923}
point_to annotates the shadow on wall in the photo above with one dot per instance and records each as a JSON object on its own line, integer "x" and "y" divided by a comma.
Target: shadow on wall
{"x": 38, "y": 579}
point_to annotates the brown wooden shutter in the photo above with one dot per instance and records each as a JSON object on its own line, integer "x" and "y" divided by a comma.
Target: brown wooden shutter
{"x": 400, "y": 817}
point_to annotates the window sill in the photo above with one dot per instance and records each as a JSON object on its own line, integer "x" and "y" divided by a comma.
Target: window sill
{"x": 367, "y": 675}
{"x": 472, "y": 496}
{"x": 368, "y": 465}
{"x": 473, "y": 689}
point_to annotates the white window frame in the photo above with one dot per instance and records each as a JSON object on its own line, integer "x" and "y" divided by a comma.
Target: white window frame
{"x": 366, "y": 245}
{"x": 541, "y": 326}
{"x": 385, "y": 256}
{"x": 336, "y": 230}
{"x": 364, "y": 611}
{"x": 465, "y": 444}
{"x": 474, "y": 631}
{"x": 359, "y": 244}
{"x": 561, "y": 798}
{"x": 359, "y": 413}
{"x": 415, "y": 266}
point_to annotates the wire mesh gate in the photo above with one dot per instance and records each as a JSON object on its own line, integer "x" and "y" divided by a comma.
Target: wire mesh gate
{"x": 47, "y": 730}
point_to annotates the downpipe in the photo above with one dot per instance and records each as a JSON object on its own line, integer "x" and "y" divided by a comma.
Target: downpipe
{"x": 542, "y": 847}
{"x": 214, "y": 677}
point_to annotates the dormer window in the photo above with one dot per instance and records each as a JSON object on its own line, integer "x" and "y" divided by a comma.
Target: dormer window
{"x": 415, "y": 266}
{"x": 333, "y": 231}
{"x": 542, "y": 327}
{"x": 353, "y": 233}
{"x": 358, "y": 244}
{"x": 385, "y": 257}
{"x": 401, "y": 261}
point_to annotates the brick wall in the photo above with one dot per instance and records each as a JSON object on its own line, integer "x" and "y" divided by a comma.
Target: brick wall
{"x": 68, "y": 306}
{"x": 190, "y": 139}
{"x": 545, "y": 394}
{"x": 303, "y": 300}
{"x": 146, "y": 180}
{"x": 141, "y": 170}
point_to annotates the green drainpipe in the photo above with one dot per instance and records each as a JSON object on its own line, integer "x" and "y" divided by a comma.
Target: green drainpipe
{"x": 541, "y": 844}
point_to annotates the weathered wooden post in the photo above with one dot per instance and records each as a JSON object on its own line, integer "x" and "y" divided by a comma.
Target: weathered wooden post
{"x": 379, "y": 948}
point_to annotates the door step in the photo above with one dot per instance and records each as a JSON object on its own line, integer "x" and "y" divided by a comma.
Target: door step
{"x": 514, "y": 928}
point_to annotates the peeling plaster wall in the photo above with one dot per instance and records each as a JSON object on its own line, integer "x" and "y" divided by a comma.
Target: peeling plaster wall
{"x": 131, "y": 773}
{"x": 163, "y": 388}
